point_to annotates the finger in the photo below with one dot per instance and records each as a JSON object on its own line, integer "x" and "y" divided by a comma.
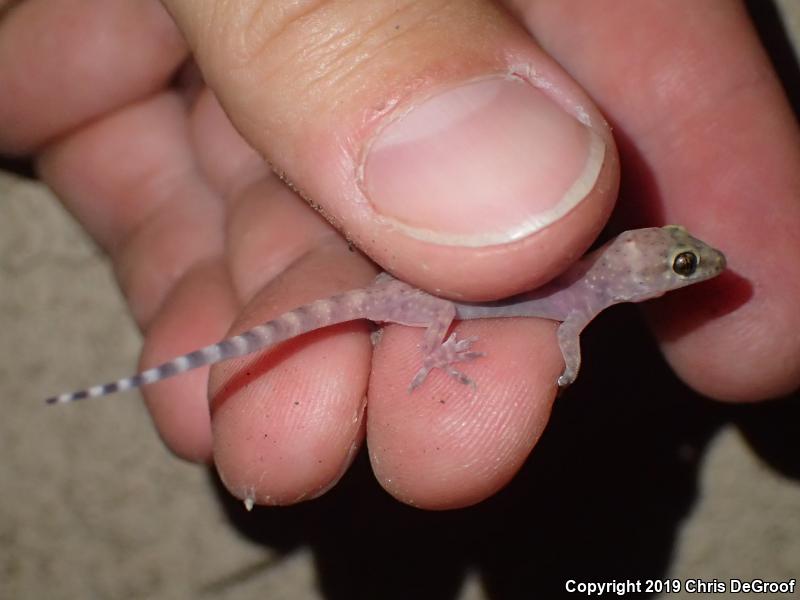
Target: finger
{"x": 711, "y": 144}
{"x": 287, "y": 422}
{"x": 448, "y": 445}
{"x": 65, "y": 63}
{"x": 436, "y": 135}
{"x": 131, "y": 181}
{"x": 228, "y": 163}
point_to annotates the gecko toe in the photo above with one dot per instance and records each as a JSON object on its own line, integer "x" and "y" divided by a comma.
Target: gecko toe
{"x": 419, "y": 378}
{"x": 460, "y": 377}
{"x": 465, "y": 344}
{"x": 565, "y": 380}
{"x": 450, "y": 352}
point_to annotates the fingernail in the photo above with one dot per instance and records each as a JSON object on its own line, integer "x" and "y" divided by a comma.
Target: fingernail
{"x": 485, "y": 163}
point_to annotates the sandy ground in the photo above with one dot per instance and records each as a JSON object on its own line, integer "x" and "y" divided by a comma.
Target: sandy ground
{"x": 626, "y": 483}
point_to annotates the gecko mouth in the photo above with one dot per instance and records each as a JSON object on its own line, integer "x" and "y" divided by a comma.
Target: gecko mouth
{"x": 722, "y": 262}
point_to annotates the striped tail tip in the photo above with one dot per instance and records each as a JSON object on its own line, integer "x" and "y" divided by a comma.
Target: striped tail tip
{"x": 92, "y": 392}
{"x": 66, "y": 398}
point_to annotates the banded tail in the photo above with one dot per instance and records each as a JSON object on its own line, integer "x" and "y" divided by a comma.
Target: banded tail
{"x": 316, "y": 315}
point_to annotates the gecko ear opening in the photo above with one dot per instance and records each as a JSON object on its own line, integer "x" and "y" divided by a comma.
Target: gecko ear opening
{"x": 685, "y": 263}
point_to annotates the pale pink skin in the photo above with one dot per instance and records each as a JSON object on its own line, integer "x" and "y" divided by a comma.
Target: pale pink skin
{"x": 206, "y": 242}
{"x": 637, "y": 265}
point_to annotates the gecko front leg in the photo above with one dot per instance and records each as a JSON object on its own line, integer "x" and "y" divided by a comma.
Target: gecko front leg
{"x": 569, "y": 341}
{"x": 398, "y": 302}
{"x": 443, "y": 354}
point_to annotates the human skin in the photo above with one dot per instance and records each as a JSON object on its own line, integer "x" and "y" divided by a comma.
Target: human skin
{"x": 205, "y": 240}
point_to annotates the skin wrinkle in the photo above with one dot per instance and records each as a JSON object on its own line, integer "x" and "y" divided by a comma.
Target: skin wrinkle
{"x": 267, "y": 41}
{"x": 268, "y": 33}
{"x": 399, "y": 32}
{"x": 268, "y": 36}
{"x": 344, "y": 61}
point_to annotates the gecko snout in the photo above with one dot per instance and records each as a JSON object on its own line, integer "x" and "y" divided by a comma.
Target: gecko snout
{"x": 720, "y": 262}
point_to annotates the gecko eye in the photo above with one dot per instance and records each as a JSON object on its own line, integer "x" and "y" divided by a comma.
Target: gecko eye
{"x": 685, "y": 264}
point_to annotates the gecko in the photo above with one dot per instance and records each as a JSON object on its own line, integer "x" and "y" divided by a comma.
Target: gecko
{"x": 637, "y": 265}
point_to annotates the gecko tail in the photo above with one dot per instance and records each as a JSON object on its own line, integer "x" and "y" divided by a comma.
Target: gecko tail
{"x": 301, "y": 320}
{"x": 239, "y": 345}
{"x": 120, "y": 385}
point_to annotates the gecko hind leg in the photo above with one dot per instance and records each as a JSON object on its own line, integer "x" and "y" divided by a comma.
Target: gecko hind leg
{"x": 444, "y": 356}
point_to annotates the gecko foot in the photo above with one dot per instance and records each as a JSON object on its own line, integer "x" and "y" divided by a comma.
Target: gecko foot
{"x": 452, "y": 351}
{"x": 565, "y": 380}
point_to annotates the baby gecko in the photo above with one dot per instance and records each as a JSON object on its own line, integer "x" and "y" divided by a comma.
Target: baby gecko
{"x": 636, "y": 265}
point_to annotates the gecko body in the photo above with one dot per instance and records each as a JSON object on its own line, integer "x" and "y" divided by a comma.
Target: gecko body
{"x": 636, "y": 265}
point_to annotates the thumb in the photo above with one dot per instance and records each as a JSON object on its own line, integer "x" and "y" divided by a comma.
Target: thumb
{"x": 436, "y": 135}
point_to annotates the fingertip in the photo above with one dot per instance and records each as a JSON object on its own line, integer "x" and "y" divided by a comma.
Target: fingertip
{"x": 287, "y": 423}
{"x": 180, "y": 415}
{"x": 179, "y": 406}
{"x": 287, "y": 420}
{"x": 449, "y": 445}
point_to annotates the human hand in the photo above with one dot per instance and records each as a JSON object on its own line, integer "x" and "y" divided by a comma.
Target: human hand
{"x": 205, "y": 240}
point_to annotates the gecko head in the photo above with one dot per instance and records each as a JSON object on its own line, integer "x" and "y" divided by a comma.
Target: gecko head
{"x": 660, "y": 259}
{"x": 691, "y": 260}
